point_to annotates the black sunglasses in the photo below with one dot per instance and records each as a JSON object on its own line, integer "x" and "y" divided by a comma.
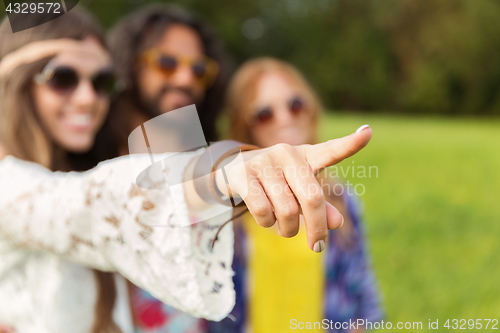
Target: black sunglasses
{"x": 296, "y": 106}
{"x": 65, "y": 80}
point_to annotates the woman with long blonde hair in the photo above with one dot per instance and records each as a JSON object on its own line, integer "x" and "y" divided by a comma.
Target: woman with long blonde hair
{"x": 269, "y": 102}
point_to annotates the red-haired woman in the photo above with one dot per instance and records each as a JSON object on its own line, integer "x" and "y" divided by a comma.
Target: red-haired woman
{"x": 269, "y": 102}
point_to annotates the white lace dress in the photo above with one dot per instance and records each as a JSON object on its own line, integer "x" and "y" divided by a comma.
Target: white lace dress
{"x": 55, "y": 227}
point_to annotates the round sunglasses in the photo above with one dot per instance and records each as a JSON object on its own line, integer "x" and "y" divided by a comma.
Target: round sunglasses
{"x": 64, "y": 80}
{"x": 203, "y": 68}
{"x": 296, "y": 106}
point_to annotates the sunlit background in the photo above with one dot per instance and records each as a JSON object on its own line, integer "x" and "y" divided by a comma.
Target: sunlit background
{"x": 405, "y": 56}
{"x": 426, "y": 76}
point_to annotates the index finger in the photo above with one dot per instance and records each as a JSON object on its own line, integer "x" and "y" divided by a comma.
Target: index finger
{"x": 328, "y": 153}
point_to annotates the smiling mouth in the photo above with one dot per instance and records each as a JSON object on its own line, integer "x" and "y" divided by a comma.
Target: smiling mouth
{"x": 79, "y": 122}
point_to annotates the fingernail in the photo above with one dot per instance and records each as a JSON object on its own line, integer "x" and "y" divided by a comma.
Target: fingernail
{"x": 362, "y": 128}
{"x": 342, "y": 221}
{"x": 319, "y": 246}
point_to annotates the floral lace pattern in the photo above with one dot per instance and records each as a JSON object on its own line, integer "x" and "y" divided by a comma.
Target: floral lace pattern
{"x": 53, "y": 223}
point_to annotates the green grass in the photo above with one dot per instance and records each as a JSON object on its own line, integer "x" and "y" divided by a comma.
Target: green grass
{"x": 433, "y": 213}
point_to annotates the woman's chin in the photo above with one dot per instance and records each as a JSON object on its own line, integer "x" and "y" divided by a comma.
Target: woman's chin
{"x": 77, "y": 147}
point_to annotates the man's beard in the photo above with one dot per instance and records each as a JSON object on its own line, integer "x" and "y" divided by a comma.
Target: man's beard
{"x": 152, "y": 107}
{"x": 181, "y": 127}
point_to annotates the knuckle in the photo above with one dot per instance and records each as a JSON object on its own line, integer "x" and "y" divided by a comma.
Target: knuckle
{"x": 289, "y": 233}
{"x": 317, "y": 233}
{"x": 315, "y": 200}
{"x": 266, "y": 223}
{"x": 261, "y": 210}
{"x": 283, "y": 148}
{"x": 288, "y": 210}
{"x": 260, "y": 161}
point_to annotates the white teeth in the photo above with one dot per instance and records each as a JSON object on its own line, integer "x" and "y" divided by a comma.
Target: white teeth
{"x": 79, "y": 119}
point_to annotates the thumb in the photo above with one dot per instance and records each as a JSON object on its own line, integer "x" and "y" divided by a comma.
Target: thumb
{"x": 328, "y": 153}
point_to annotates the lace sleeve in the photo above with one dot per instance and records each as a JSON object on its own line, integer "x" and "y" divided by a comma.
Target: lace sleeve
{"x": 102, "y": 220}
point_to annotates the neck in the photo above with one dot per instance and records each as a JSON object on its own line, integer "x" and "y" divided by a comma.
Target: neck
{"x": 59, "y": 159}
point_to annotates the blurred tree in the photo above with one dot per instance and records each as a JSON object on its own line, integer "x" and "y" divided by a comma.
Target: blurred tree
{"x": 446, "y": 54}
{"x": 413, "y": 56}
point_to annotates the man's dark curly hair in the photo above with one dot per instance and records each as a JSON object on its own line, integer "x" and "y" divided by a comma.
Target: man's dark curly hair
{"x": 141, "y": 30}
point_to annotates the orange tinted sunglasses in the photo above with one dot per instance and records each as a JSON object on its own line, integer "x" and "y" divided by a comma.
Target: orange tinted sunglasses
{"x": 204, "y": 68}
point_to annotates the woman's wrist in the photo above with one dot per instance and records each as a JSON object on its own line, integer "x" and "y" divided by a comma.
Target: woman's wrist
{"x": 212, "y": 183}
{"x": 221, "y": 179}
{"x": 209, "y": 179}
